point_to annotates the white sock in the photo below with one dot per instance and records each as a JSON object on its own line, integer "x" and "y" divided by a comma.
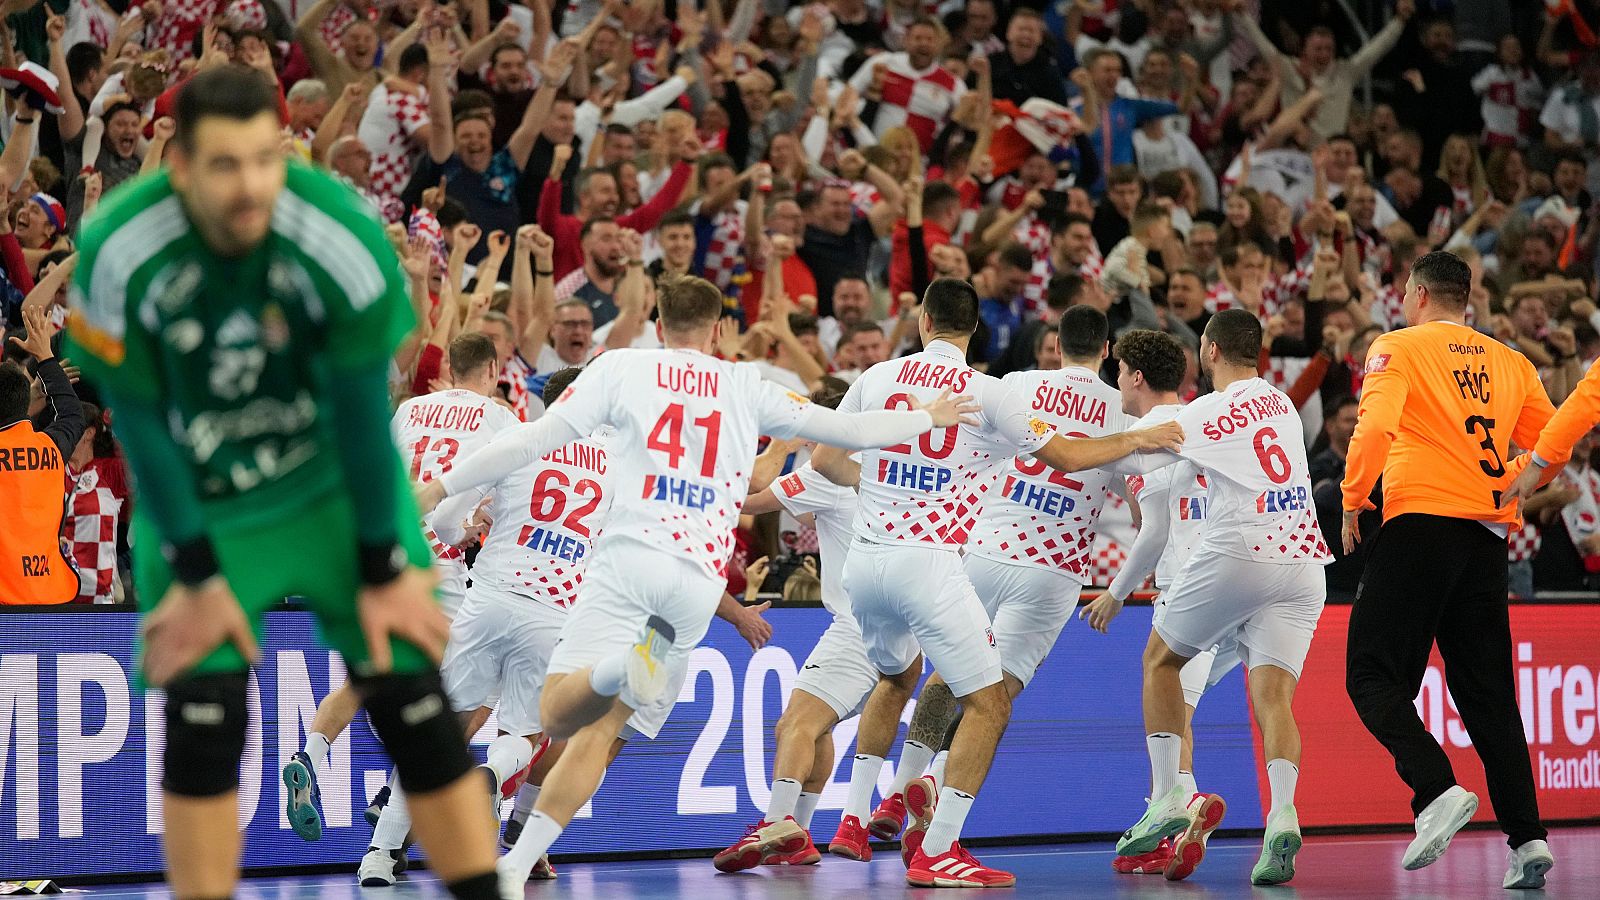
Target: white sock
{"x": 610, "y": 675}
{"x": 785, "y": 796}
{"x": 937, "y": 769}
{"x": 1282, "y": 776}
{"x": 526, "y": 798}
{"x": 317, "y": 749}
{"x": 863, "y": 778}
{"x": 538, "y": 833}
{"x": 395, "y": 821}
{"x": 948, "y": 818}
{"x": 1189, "y": 786}
{"x": 508, "y": 755}
{"x": 804, "y": 807}
{"x": 914, "y": 759}
{"x": 1165, "y": 748}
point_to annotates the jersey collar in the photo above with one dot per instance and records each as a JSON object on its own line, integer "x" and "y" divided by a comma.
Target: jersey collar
{"x": 945, "y": 348}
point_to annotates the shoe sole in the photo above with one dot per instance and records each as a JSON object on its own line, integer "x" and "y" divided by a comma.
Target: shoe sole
{"x": 1532, "y": 875}
{"x": 1281, "y": 852}
{"x": 1434, "y": 849}
{"x": 782, "y": 842}
{"x": 647, "y": 675}
{"x": 886, "y": 828}
{"x": 303, "y": 815}
{"x": 811, "y": 859}
{"x": 375, "y": 882}
{"x": 920, "y": 805}
{"x": 1191, "y": 848}
{"x": 845, "y": 851}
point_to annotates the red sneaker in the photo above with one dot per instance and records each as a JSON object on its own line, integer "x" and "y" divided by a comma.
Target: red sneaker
{"x": 805, "y": 856}
{"x": 542, "y": 870}
{"x": 888, "y": 818}
{"x": 1190, "y": 847}
{"x": 1152, "y": 863}
{"x": 921, "y": 797}
{"x": 762, "y": 838}
{"x": 850, "y": 841}
{"x": 955, "y": 868}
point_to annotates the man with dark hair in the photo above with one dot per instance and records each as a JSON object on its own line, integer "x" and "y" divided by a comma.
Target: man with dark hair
{"x": 1026, "y": 67}
{"x": 316, "y": 481}
{"x": 1173, "y": 500}
{"x": 941, "y": 216}
{"x": 508, "y": 85}
{"x": 909, "y": 591}
{"x": 32, "y": 505}
{"x": 686, "y": 427}
{"x": 1441, "y": 405}
{"x": 604, "y": 263}
{"x": 119, "y": 158}
{"x": 1112, "y": 218}
{"x": 1073, "y": 247}
{"x": 1256, "y": 579}
{"x": 1002, "y": 305}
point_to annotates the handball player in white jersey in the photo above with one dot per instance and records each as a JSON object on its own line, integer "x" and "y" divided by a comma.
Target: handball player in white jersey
{"x": 832, "y": 683}
{"x": 904, "y": 575}
{"x": 1256, "y": 578}
{"x": 544, "y": 518}
{"x": 687, "y": 428}
{"x": 1172, "y": 502}
{"x": 433, "y": 432}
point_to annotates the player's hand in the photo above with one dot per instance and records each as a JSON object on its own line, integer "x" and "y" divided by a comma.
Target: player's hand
{"x": 948, "y": 411}
{"x": 188, "y": 624}
{"x": 755, "y": 630}
{"x": 1166, "y": 436}
{"x": 1523, "y": 486}
{"x": 429, "y": 496}
{"x": 1101, "y": 611}
{"x": 404, "y": 608}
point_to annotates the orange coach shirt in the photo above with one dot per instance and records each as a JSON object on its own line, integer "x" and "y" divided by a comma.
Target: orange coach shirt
{"x": 1440, "y": 406}
{"x": 1577, "y": 415}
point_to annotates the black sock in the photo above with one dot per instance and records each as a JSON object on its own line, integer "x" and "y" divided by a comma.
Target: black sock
{"x": 476, "y": 887}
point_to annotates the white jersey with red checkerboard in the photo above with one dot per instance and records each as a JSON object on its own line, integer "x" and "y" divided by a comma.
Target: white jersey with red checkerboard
{"x": 1249, "y": 442}
{"x": 92, "y": 534}
{"x": 434, "y": 432}
{"x": 919, "y": 99}
{"x": 387, "y": 129}
{"x": 1040, "y": 516}
{"x": 931, "y": 490}
{"x": 687, "y": 429}
{"x": 546, "y": 517}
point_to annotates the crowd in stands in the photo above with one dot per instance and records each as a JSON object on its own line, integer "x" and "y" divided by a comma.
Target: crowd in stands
{"x": 540, "y": 164}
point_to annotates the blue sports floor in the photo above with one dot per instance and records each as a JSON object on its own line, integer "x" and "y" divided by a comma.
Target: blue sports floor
{"x": 1356, "y": 866}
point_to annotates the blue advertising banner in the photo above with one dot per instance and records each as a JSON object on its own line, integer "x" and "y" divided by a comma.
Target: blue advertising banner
{"x": 80, "y": 751}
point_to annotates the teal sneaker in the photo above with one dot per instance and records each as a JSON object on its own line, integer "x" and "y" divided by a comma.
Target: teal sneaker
{"x": 1166, "y": 817}
{"x": 1276, "y": 865}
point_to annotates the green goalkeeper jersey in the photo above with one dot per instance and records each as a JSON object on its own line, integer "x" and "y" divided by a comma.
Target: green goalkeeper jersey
{"x": 237, "y": 357}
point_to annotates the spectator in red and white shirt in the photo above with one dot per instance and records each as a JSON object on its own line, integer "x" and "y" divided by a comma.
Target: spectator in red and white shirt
{"x": 395, "y": 125}
{"x": 100, "y": 500}
{"x": 911, "y": 88}
{"x": 1512, "y": 96}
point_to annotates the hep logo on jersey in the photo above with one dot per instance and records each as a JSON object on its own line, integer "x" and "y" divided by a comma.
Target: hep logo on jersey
{"x": 679, "y": 491}
{"x": 1283, "y": 501}
{"x": 927, "y": 479}
{"x": 989, "y": 633}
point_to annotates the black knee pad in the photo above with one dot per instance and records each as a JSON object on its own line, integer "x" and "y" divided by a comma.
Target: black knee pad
{"x": 207, "y": 717}
{"x": 410, "y": 714}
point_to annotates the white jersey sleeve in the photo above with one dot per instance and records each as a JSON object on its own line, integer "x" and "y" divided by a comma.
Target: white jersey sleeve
{"x": 805, "y": 491}
{"x": 1248, "y": 441}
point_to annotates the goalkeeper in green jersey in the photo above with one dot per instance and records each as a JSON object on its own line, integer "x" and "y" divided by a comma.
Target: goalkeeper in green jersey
{"x": 240, "y": 313}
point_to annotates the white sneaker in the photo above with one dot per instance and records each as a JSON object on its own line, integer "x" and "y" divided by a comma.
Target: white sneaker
{"x": 1527, "y": 865}
{"x": 378, "y": 868}
{"x": 1166, "y": 817}
{"x": 513, "y": 879}
{"x": 647, "y": 660}
{"x": 1278, "y": 849}
{"x": 1437, "y": 824}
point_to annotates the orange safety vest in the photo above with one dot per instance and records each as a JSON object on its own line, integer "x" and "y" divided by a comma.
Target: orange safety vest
{"x": 33, "y": 507}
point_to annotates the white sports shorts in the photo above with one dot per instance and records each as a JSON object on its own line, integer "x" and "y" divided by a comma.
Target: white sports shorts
{"x": 838, "y": 672}
{"x": 1029, "y": 605}
{"x": 911, "y": 599}
{"x": 1269, "y": 609}
{"x": 627, "y": 583}
{"x": 500, "y": 645}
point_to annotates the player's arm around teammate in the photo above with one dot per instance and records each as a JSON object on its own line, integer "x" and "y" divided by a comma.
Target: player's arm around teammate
{"x": 1578, "y": 413}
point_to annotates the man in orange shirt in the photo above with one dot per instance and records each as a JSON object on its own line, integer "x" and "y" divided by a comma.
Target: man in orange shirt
{"x": 1572, "y": 421}
{"x": 1440, "y": 406}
